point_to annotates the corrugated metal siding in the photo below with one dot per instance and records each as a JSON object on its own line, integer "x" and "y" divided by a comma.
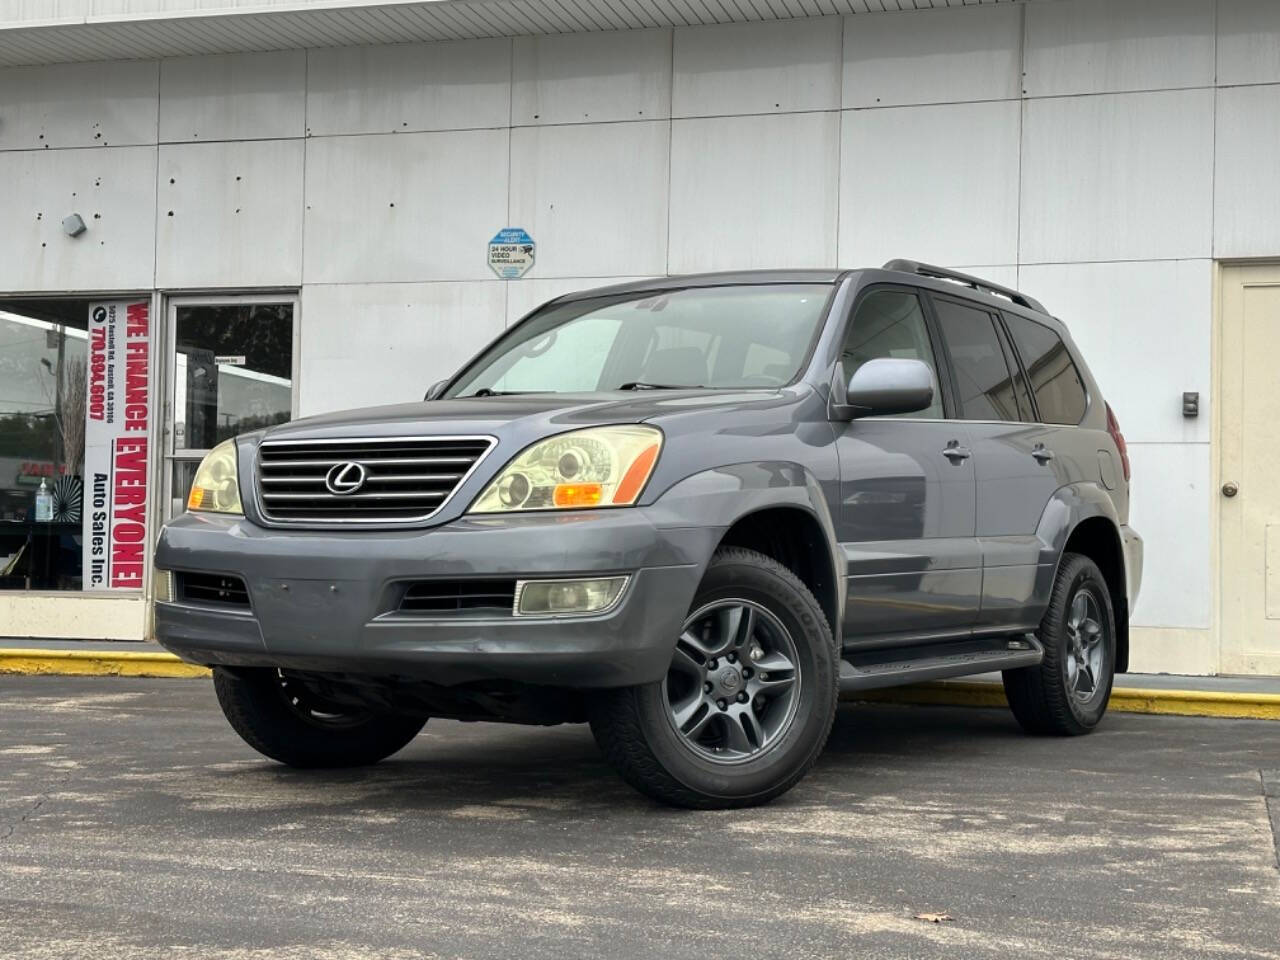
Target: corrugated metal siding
{"x": 137, "y": 34}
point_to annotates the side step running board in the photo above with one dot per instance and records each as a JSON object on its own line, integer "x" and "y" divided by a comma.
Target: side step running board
{"x": 869, "y": 669}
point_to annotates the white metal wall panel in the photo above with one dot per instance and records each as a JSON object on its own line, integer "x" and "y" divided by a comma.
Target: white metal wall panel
{"x": 78, "y": 105}
{"x": 933, "y": 183}
{"x": 369, "y": 344}
{"x": 579, "y": 78}
{"x": 757, "y": 68}
{"x": 418, "y": 206}
{"x": 406, "y": 88}
{"x": 1117, "y": 177}
{"x": 230, "y": 214}
{"x": 1246, "y": 193}
{"x": 946, "y": 56}
{"x": 1101, "y": 46}
{"x": 1171, "y": 491}
{"x": 524, "y": 295}
{"x": 244, "y": 96}
{"x": 1248, "y": 49}
{"x": 594, "y": 196}
{"x": 754, "y": 192}
{"x": 113, "y": 190}
{"x": 1155, "y": 314}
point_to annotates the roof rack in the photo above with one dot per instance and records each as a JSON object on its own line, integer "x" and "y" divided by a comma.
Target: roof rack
{"x": 982, "y": 286}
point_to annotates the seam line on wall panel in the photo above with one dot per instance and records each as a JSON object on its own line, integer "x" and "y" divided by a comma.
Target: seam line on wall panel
{"x": 1083, "y": 262}
{"x": 155, "y": 188}
{"x": 302, "y": 218}
{"x": 671, "y": 140}
{"x": 1213, "y": 143}
{"x": 1022, "y": 110}
{"x": 1085, "y": 94}
{"x": 605, "y": 122}
{"x": 708, "y": 116}
{"x": 511, "y": 146}
{"x": 844, "y": 29}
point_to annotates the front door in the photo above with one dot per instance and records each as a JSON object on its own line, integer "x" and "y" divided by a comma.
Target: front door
{"x": 1249, "y": 494}
{"x": 231, "y": 363}
{"x": 906, "y": 519}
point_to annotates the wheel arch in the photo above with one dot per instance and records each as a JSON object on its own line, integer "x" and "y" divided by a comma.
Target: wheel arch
{"x": 1098, "y": 539}
{"x": 1082, "y": 519}
{"x": 777, "y": 508}
{"x": 795, "y": 538}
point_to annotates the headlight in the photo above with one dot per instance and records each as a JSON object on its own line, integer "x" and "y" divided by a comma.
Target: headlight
{"x": 600, "y": 467}
{"x": 215, "y": 487}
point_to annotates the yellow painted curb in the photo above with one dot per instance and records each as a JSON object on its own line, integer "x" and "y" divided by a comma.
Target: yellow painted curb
{"x": 94, "y": 663}
{"x": 1186, "y": 703}
{"x": 1189, "y": 703}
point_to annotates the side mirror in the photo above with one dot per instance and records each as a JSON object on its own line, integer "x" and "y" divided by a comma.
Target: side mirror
{"x": 887, "y": 385}
{"x": 437, "y": 388}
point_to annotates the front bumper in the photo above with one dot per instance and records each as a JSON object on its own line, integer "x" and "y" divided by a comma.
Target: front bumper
{"x": 323, "y": 601}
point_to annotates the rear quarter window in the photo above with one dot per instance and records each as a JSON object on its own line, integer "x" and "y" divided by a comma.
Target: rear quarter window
{"x": 1055, "y": 379}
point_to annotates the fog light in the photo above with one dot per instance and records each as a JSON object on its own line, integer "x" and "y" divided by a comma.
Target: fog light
{"x": 162, "y": 585}
{"x": 549, "y": 598}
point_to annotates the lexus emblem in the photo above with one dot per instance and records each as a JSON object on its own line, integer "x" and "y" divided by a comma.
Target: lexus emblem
{"x": 345, "y": 478}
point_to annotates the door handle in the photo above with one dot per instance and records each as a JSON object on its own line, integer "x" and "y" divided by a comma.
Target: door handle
{"x": 1042, "y": 454}
{"x": 955, "y": 453}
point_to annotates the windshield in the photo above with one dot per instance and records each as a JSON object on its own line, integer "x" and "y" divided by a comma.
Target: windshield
{"x": 754, "y": 335}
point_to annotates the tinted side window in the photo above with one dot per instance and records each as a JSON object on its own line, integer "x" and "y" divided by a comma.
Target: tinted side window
{"x": 983, "y": 380}
{"x": 1055, "y": 381}
{"x": 890, "y": 323}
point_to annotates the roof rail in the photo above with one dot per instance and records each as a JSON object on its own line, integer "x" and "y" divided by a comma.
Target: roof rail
{"x": 977, "y": 283}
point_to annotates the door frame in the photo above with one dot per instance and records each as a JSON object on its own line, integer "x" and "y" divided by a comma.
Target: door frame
{"x": 164, "y": 412}
{"x": 1225, "y": 274}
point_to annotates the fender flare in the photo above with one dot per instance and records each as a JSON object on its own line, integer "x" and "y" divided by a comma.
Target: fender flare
{"x": 721, "y": 497}
{"x": 1068, "y": 508}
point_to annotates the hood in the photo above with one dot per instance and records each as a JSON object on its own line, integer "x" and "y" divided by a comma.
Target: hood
{"x": 528, "y": 414}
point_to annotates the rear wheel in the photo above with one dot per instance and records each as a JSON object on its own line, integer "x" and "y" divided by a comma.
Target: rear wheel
{"x": 283, "y": 720}
{"x": 748, "y": 701}
{"x": 1067, "y": 692}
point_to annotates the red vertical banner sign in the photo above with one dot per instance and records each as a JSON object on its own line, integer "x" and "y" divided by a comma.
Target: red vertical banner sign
{"x": 117, "y": 418}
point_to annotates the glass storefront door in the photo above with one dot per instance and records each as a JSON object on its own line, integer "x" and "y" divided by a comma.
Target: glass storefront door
{"x": 232, "y": 366}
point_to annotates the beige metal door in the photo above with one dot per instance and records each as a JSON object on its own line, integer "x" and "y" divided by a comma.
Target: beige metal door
{"x": 1249, "y": 474}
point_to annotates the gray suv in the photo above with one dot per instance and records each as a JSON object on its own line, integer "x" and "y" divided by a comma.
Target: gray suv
{"x": 692, "y": 512}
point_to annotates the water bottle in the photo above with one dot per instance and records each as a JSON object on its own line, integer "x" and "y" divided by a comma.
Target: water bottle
{"x": 44, "y": 503}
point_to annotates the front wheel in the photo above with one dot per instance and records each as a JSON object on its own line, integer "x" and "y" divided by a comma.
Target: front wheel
{"x": 283, "y": 720}
{"x": 748, "y": 700}
{"x": 1067, "y": 693}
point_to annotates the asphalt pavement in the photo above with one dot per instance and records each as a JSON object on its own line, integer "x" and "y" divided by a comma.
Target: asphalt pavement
{"x": 134, "y": 823}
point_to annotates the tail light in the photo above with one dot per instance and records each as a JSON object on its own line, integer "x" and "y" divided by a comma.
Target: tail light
{"x": 1113, "y": 428}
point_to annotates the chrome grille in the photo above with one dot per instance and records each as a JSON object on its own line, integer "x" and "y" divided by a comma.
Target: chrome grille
{"x": 405, "y": 479}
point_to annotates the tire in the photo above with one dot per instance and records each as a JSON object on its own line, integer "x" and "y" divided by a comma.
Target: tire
{"x": 1051, "y": 698}
{"x": 286, "y": 723}
{"x": 683, "y": 745}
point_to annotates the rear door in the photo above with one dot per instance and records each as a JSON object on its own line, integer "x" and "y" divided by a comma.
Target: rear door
{"x": 1019, "y": 462}
{"x": 906, "y": 516}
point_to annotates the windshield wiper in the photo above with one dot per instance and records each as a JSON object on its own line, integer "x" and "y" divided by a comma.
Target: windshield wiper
{"x": 642, "y": 385}
{"x": 489, "y": 392}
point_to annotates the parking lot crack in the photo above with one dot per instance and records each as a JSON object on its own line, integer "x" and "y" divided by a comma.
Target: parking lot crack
{"x": 8, "y": 829}
{"x": 1271, "y": 797}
